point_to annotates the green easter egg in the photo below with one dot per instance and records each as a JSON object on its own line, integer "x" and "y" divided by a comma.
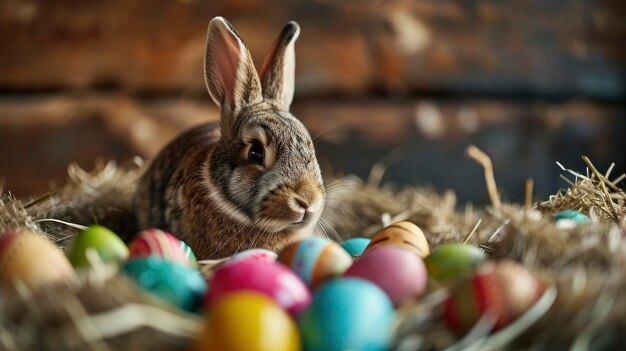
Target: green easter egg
{"x": 107, "y": 244}
{"x": 449, "y": 262}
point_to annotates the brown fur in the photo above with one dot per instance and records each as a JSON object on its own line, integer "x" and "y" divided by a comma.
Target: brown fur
{"x": 203, "y": 188}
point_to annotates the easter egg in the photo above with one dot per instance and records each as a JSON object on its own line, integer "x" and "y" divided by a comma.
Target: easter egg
{"x": 178, "y": 285}
{"x": 571, "y": 216}
{"x": 504, "y": 289}
{"x": 159, "y": 243}
{"x": 347, "y": 314}
{"x": 256, "y": 255}
{"x": 272, "y": 279}
{"x": 449, "y": 262}
{"x": 400, "y": 273}
{"x": 104, "y": 242}
{"x": 402, "y": 234}
{"x": 355, "y": 246}
{"x": 248, "y": 321}
{"x": 31, "y": 258}
{"x": 316, "y": 260}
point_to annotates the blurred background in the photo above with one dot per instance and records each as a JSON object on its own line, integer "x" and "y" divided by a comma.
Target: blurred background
{"x": 409, "y": 84}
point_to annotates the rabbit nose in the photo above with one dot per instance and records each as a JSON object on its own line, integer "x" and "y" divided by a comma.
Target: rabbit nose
{"x": 302, "y": 203}
{"x": 303, "y": 217}
{"x": 303, "y": 210}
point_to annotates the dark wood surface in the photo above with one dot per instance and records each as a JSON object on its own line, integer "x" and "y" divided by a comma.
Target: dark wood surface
{"x": 539, "y": 47}
{"x": 408, "y": 83}
{"x": 421, "y": 141}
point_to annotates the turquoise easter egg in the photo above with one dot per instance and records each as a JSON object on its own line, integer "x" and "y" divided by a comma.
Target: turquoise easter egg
{"x": 179, "y": 285}
{"x": 450, "y": 262}
{"x": 355, "y": 246}
{"x": 571, "y": 215}
{"x": 347, "y": 314}
{"x": 103, "y": 241}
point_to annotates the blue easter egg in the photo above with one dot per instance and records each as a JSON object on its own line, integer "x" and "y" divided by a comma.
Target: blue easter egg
{"x": 355, "y": 246}
{"x": 181, "y": 286}
{"x": 347, "y": 314}
{"x": 315, "y": 260}
{"x": 572, "y": 215}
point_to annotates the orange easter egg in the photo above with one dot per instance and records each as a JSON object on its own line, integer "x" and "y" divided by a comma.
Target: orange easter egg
{"x": 32, "y": 259}
{"x": 405, "y": 235}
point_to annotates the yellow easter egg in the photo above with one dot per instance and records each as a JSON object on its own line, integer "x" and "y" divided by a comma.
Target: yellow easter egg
{"x": 250, "y": 321}
{"x": 401, "y": 234}
{"x": 31, "y": 258}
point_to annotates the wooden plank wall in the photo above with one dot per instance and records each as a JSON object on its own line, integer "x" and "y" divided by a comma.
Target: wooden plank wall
{"x": 410, "y": 82}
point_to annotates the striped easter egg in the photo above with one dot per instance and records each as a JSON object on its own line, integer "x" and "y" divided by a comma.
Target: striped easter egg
{"x": 504, "y": 290}
{"x": 403, "y": 234}
{"x": 316, "y": 260}
{"x": 156, "y": 242}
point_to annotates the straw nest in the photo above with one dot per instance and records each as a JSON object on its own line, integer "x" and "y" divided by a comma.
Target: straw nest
{"x": 584, "y": 266}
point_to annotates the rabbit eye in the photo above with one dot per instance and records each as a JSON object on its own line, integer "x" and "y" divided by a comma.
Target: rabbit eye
{"x": 256, "y": 154}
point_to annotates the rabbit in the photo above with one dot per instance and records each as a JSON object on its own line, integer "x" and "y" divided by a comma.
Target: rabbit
{"x": 252, "y": 179}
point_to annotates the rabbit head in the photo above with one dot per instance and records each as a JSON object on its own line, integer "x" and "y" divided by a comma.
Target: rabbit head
{"x": 263, "y": 171}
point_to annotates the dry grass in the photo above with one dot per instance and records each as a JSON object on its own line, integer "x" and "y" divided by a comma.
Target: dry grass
{"x": 584, "y": 266}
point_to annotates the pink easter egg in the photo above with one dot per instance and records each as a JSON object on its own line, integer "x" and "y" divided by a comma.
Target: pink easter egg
{"x": 272, "y": 279}
{"x": 400, "y": 273}
{"x": 255, "y": 255}
{"x": 156, "y": 242}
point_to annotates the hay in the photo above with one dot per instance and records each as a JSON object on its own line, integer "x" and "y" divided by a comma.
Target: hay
{"x": 584, "y": 265}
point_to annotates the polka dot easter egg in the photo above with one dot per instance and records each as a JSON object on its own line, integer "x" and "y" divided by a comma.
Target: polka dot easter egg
{"x": 254, "y": 255}
{"x": 159, "y": 243}
{"x": 316, "y": 260}
{"x": 402, "y": 234}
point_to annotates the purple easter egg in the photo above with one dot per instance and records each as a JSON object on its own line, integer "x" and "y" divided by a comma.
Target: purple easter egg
{"x": 400, "y": 273}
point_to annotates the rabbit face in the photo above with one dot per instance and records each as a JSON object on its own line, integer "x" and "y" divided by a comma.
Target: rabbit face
{"x": 274, "y": 181}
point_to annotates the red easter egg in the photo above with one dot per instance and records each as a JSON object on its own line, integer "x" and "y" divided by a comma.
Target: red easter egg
{"x": 156, "y": 242}
{"x": 399, "y": 272}
{"x": 504, "y": 289}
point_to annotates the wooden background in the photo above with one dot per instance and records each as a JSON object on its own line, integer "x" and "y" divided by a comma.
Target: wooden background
{"x": 406, "y": 83}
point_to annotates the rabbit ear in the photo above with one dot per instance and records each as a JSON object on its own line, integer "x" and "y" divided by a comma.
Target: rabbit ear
{"x": 229, "y": 73}
{"x": 279, "y": 67}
